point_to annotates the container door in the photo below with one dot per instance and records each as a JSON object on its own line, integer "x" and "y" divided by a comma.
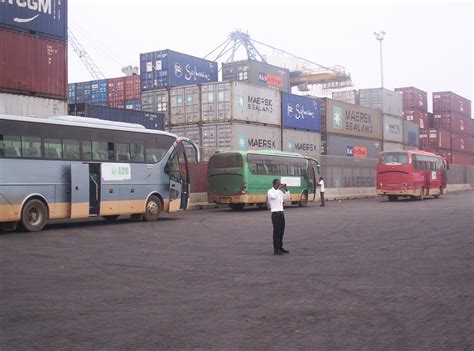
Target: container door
{"x": 79, "y": 190}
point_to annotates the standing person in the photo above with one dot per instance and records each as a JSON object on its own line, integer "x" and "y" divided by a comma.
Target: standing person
{"x": 321, "y": 191}
{"x": 275, "y": 198}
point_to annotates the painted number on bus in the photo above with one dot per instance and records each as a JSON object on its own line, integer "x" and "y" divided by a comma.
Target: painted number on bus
{"x": 116, "y": 171}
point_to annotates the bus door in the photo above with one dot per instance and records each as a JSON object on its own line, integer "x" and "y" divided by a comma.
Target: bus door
{"x": 313, "y": 173}
{"x": 79, "y": 190}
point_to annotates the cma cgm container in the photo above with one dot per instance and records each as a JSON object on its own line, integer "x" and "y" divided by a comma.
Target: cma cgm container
{"x": 300, "y": 112}
{"x": 336, "y": 145}
{"x": 43, "y": 17}
{"x": 392, "y": 129}
{"x": 391, "y": 146}
{"x": 348, "y": 96}
{"x": 33, "y": 65}
{"x": 303, "y": 142}
{"x": 257, "y": 73}
{"x": 411, "y": 133}
{"x": 238, "y": 136}
{"x": 381, "y": 99}
{"x": 236, "y": 101}
{"x": 413, "y": 99}
{"x": 452, "y": 122}
{"x": 448, "y": 101}
{"x": 166, "y": 68}
{"x": 132, "y": 87}
{"x": 461, "y": 143}
{"x": 418, "y": 117}
{"x": 341, "y": 118}
{"x": 30, "y": 106}
{"x": 149, "y": 120}
{"x": 185, "y": 105}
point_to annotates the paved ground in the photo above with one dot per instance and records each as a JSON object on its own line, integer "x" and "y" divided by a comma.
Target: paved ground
{"x": 361, "y": 275}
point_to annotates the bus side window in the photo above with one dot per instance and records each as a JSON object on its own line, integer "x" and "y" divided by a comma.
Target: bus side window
{"x": 122, "y": 152}
{"x": 253, "y": 167}
{"x": 10, "y": 146}
{"x": 53, "y": 149}
{"x": 137, "y": 152}
{"x": 71, "y": 149}
{"x": 31, "y": 147}
{"x": 261, "y": 169}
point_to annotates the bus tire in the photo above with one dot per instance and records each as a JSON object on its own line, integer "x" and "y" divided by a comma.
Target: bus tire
{"x": 136, "y": 217}
{"x": 422, "y": 194}
{"x": 152, "y": 209}
{"x": 392, "y": 197}
{"x": 237, "y": 207}
{"x": 440, "y": 193}
{"x": 33, "y": 216}
{"x": 303, "y": 200}
{"x": 111, "y": 218}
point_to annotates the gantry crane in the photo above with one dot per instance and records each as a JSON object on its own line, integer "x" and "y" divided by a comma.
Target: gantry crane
{"x": 90, "y": 65}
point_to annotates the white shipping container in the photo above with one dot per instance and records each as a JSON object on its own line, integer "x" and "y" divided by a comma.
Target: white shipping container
{"x": 392, "y": 102}
{"x": 392, "y": 128}
{"x": 390, "y": 146}
{"x": 185, "y": 105}
{"x": 29, "y": 106}
{"x": 347, "y": 96}
{"x": 303, "y": 142}
{"x": 156, "y": 101}
{"x": 236, "y": 101}
{"x": 191, "y": 132}
{"x": 410, "y": 147}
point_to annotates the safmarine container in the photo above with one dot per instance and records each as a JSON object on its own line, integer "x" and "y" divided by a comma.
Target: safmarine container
{"x": 452, "y": 122}
{"x": 411, "y": 133}
{"x": 447, "y": 101}
{"x": 348, "y": 96}
{"x": 236, "y": 101}
{"x": 156, "y": 101}
{"x": 185, "y": 105}
{"x": 413, "y": 99}
{"x": 384, "y": 100}
{"x": 392, "y": 128}
{"x": 33, "y": 65}
{"x": 167, "y": 68}
{"x": 336, "y": 145}
{"x": 418, "y": 117}
{"x": 43, "y": 17}
{"x": 341, "y": 118}
{"x": 149, "y": 120}
{"x": 132, "y": 87}
{"x": 303, "y": 142}
{"x": 300, "y": 112}
{"x": 257, "y": 73}
{"x": 133, "y": 104}
{"x": 29, "y": 106}
{"x": 391, "y": 146}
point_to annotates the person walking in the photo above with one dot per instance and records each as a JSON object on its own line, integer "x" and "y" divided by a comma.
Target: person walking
{"x": 321, "y": 191}
{"x": 275, "y": 198}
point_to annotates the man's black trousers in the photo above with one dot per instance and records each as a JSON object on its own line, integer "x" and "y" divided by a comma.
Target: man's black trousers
{"x": 278, "y": 220}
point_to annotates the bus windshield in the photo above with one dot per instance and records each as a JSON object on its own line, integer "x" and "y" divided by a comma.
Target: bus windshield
{"x": 225, "y": 161}
{"x": 394, "y": 158}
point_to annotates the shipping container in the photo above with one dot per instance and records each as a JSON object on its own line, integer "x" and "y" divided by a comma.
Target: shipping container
{"x": 300, "y": 112}
{"x": 337, "y": 145}
{"x": 43, "y": 17}
{"x": 384, "y": 100}
{"x": 461, "y": 143}
{"x": 410, "y": 147}
{"x": 391, "y": 146}
{"x": 348, "y": 172}
{"x": 185, "y": 105}
{"x": 303, "y": 142}
{"x": 257, "y": 73}
{"x": 347, "y": 96}
{"x": 413, "y": 99}
{"x": 452, "y": 122}
{"x": 341, "y": 118}
{"x": 116, "y": 104}
{"x": 392, "y": 128}
{"x": 439, "y": 139}
{"x": 116, "y": 91}
{"x": 167, "y": 68}
{"x": 448, "y": 101}
{"x": 71, "y": 93}
{"x": 133, "y": 104}
{"x": 236, "y": 101}
{"x": 411, "y": 133}
{"x": 461, "y": 158}
{"x": 418, "y": 117}
{"x": 99, "y": 92}
{"x": 32, "y": 65}
{"x": 157, "y": 101}
{"x": 132, "y": 87}
{"x": 149, "y": 120}
{"x": 191, "y": 132}
{"x": 29, "y": 106}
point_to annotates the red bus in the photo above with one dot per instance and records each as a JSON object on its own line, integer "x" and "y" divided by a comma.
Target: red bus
{"x": 411, "y": 173}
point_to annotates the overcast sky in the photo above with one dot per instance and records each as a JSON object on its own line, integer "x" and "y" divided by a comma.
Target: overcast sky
{"x": 427, "y": 45}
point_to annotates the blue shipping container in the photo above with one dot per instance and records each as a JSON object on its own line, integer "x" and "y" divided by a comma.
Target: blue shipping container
{"x": 166, "y": 68}
{"x": 133, "y": 104}
{"x": 98, "y": 91}
{"x": 301, "y": 112}
{"x": 45, "y": 17}
{"x": 71, "y": 93}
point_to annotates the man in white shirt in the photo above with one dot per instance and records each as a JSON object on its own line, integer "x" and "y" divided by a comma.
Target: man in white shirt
{"x": 275, "y": 198}
{"x": 321, "y": 191}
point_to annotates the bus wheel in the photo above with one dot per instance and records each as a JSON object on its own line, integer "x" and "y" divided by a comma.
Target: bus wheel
{"x": 304, "y": 200}
{"x": 137, "y": 217}
{"x": 153, "y": 209}
{"x": 422, "y": 194}
{"x": 440, "y": 193}
{"x": 237, "y": 207}
{"x": 111, "y": 218}
{"x": 33, "y": 216}
{"x": 392, "y": 197}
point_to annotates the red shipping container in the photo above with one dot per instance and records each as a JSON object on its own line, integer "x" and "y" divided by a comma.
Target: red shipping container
{"x": 461, "y": 158}
{"x": 414, "y": 98}
{"x": 447, "y": 101}
{"x": 461, "y": 143}
{"x": 452, "y": 122}
{"x": 132, "y": 87}
{"x": 116, "y": 90}
{"x": 418, "y": 117}
{"x": 439, "y": 139}
{"x": 116, "y": 104}
{"x": 33, "y": 65}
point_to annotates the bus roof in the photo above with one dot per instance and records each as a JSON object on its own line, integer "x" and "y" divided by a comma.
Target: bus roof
{"x": 262, "y": 152}
{"x": 87, "y": 123}
{"x": 415, "y": 152}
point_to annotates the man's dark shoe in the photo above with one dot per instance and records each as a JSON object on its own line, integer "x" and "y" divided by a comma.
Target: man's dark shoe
{"x": 279, "y": 253}
{"x": 285, "y": 251}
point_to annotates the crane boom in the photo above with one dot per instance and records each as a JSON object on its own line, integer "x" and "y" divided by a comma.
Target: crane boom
{"x": 94, "y": 71}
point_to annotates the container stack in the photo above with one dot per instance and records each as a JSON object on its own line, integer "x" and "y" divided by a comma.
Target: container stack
{"x": 349, "y": 96}
{"x": 33, "y": 54}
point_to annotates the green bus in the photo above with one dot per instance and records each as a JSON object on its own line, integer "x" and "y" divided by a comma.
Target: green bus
{"x": 240, "y": 178}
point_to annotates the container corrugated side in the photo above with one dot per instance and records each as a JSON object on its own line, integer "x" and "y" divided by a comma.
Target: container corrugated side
{"x": 300, "y": 112}
{"x": 392, "y": 128}
{"x": 32, "y": 65}
{"x": 384, "y": 100}
{"x": 132, "y": 104}
{"x": 460, "y": 158}
{"x": 418, "y": 117}
{"x": 411, "y": 133}
{"x": 29, "y": 106}
{"x": 156, "y": 101}
{"x": 185, "y": 105}
{"x": 452, "y": 122}
{"x": 461, "y": 143}
{"x": 132, "y": 87}
{"x": 391, "y": 146}
{"x": 303, "y": 142}
{"x": 347, "y": 96}
{"x": 337, "y": 145}
{"x": 116, "y": 90}
{"x": 447, "y": 101}
{"x": 413, "y": 99}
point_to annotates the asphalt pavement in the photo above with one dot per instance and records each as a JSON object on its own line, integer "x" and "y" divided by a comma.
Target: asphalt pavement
{"x": 361, "y": 275}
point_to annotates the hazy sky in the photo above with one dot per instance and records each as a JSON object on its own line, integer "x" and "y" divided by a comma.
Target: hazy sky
{"x": 427, "y": 45}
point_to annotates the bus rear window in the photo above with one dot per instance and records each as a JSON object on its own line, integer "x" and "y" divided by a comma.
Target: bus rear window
{"x": 225, "y": 161}
{"x": 394, "y": 158}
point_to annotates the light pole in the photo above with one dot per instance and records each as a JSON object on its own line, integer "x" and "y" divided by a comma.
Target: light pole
{"x": 379, "y": 36}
